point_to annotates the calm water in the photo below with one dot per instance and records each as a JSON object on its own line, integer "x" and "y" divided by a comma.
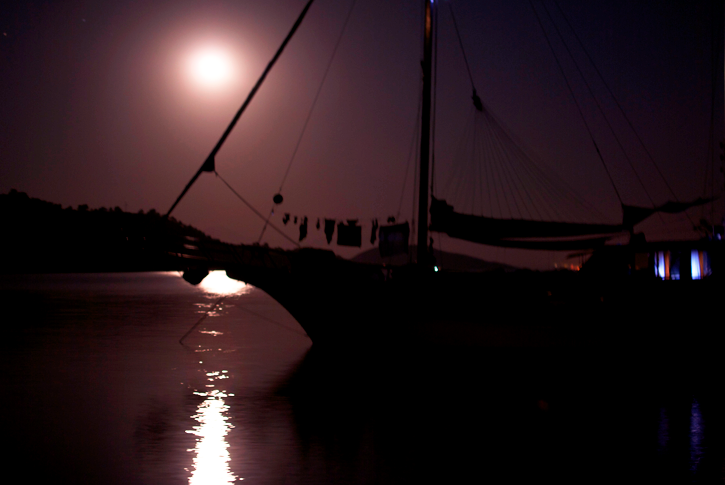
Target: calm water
{"x": 98, "y": 389}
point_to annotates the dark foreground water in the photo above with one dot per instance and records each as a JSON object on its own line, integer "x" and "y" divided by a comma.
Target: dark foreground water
{"x": 97, "y": 389}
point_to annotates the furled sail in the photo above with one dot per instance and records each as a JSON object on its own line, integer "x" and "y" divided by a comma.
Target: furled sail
{"x": 634, "y": 215}
{"x": 481, "y": 229}
{"x": 520, "y": 233}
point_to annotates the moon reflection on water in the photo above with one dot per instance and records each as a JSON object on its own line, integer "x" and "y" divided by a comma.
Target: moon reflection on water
{"x": 211, "y": 463}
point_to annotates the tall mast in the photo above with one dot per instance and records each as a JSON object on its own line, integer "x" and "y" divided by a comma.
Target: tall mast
{"x": 423, "y": 256}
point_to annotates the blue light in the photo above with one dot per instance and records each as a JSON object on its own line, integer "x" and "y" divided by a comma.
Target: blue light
{"x": 660, "y": 264}
{"x": 695, "y": 264}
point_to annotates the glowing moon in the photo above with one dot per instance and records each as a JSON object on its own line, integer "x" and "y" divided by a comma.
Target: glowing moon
{"x": 210, "y": 67}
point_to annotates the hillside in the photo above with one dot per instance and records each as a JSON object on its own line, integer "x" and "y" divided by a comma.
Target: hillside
{"x": 43, "y": 237}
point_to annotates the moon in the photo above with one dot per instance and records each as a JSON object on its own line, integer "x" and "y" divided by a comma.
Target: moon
{"x": 211, "y": 67}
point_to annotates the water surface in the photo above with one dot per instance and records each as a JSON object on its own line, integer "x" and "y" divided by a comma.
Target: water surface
{"x": 98, "y": 389}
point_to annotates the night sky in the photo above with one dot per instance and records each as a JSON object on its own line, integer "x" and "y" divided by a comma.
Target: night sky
{"x": 100, "y": 105}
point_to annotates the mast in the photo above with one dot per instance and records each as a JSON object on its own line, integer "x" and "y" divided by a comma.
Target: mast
{"x": 423, "y": 256}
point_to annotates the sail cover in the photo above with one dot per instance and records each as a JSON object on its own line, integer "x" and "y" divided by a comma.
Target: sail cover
{"x": 520, "y": 233}
{"x": 473, "y": 228}
{"x": 634, "y": 215}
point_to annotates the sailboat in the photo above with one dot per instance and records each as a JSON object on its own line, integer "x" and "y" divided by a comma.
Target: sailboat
{"x": 343, "y": 303}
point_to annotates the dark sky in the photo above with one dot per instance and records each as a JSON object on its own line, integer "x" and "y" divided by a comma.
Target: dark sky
{"x": 98, "y": 106}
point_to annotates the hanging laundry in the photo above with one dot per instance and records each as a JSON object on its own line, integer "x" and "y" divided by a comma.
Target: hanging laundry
{"x": 329, "y": 229}
{"x": 374, "y": 234}
{"x": 318, "y": 224}
{"x": 394, "y": 239}
{"x": 349, "y": 234}
{"x": 303, "y": 229}
{"x": 285, "y": 219}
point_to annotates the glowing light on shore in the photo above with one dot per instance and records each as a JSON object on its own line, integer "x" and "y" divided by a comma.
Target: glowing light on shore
{"x": 218, "y": 283}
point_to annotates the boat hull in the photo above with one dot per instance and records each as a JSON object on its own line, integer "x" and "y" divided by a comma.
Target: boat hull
{"x": 348, "y": 305}
{"x": 343, "y": 304}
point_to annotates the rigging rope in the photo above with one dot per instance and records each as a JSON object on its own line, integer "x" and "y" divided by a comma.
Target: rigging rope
{"x": 413, "y": 153}
{"x": 557, "y": 188}
{"x": 463, "y": 51}
{"x": 489, "y": 177}
{"x": 715, "y": 33}
{"x": 281, "y": 325}
{"x": 576, "y": 103}
{"x": 435, "y": 97}
{"x": 500, "y": 170}
{"x": 479, "y": 149}
{"x": 416, "y": 186}
{"x": 488, "y": 150}
{"x": 616, "y": 101}
{"x": 599, "y": 107}
{"x": 456, "y": 174}
{"x": 309, "y": 114}
{"x": 520, "y": 183}
{"x": 208, "y": 165}
{"x": 256, "y": 211}
{"x": 206, "y": 314}
{"x": 501, "y": 155}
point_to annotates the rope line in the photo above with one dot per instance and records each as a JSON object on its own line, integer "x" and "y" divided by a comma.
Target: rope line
{"x": 463, "y": 51}
{"x": 616, "y": 101}
{"x": 209, "y": 163}
{"x": 599, "y": 107}
{"x": 309, "y": 114}
{"x": 434, "y": 11}
{"x": 414, "y": 147}
{"x": 488, "y": 151}
{"x": 206, "y": 314}
{"x": 559, "y": 188}
{"x": 317, "y": 95}
{"x": 272, "y": 321}
{"x": 509, "y": 173}
{"x": 488, "y": 148}
{"x": 576, "y": 103}
{"x": 710, "y": 155}
{"x": 256, "y": 211}
{"x": 481, "y": 167}
{"x": 515, "y": 168}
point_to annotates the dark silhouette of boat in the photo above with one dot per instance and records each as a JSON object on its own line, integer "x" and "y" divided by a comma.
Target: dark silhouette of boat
{"x": 622, "y": 293}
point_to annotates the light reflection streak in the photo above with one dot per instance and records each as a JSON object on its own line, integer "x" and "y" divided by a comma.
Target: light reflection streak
{"x": 213, "y": 333}
{"x": 663, "y": 434}
{"x": 695, "y": 436}
{"x": 211, "y": 463}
